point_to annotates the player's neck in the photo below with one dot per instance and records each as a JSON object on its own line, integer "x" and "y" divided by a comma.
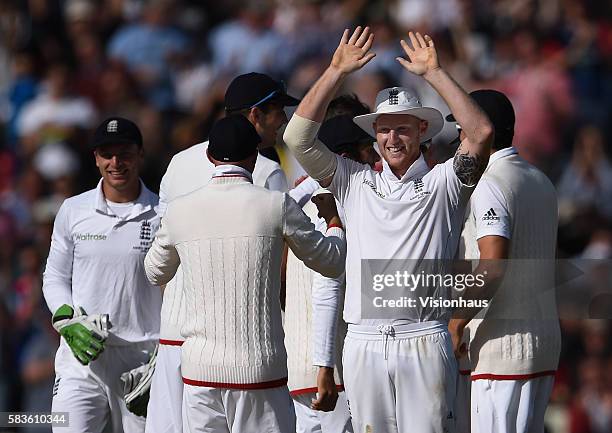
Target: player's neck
{"x": 125, "y": 195}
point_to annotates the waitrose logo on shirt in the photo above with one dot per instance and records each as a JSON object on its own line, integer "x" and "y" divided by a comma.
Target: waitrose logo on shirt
{"x": 89, "y": 237}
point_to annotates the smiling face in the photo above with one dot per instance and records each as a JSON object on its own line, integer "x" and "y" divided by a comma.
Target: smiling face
{"x": 119, "y": 165}
{"x": 399, "y": 137}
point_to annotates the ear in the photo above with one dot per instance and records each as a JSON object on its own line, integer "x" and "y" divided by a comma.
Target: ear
{"x": 254, "y": 115}
{"x": 210, "y": 158}
{"x": 95, "y": 154}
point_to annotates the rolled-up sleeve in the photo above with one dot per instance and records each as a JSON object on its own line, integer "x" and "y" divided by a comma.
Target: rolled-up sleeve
{"x": 324, "y": 254}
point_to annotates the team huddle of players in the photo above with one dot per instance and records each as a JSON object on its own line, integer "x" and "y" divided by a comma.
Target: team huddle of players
{"x": 231, "y": 249}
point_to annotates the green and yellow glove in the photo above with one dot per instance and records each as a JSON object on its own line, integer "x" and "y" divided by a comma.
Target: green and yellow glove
{"x": 84, "y": 334}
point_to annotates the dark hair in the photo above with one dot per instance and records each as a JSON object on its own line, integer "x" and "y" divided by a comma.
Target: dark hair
{"x": 346, "y": 104}
{"x": 502, "y": 140}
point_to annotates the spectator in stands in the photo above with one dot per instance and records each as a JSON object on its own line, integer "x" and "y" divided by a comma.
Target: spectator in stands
{"x": 148, "y": 47}
{"x": 586, "y": 182}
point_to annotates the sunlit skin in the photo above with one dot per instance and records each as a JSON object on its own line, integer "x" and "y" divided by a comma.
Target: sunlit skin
{"x": 119, "y": 165}
{"x": 398, "y": 137}
{"x": 268, "y": 124}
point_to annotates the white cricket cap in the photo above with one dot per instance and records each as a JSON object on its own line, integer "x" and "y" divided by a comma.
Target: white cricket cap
{"x": 399, "y": 100}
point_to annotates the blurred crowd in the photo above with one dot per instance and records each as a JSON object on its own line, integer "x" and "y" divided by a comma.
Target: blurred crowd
{"x": 65, "y": 65}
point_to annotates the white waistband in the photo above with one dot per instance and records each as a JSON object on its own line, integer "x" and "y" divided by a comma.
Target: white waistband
{"x": 409, "y": 330}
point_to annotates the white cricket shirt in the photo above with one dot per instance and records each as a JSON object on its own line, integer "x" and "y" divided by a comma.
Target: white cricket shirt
{"x": 191, "y": 169}
{"x": 416, "y": 217}
{"x": 519, "y": 337}
{"x": 488, "y": 207}
{"x": 96, "y": 262}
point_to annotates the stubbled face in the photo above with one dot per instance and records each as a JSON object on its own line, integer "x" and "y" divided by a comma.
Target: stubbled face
{"x": 268, "y": 124}
{"x": 398, "y": 137}
{"x": 119, "y": 164}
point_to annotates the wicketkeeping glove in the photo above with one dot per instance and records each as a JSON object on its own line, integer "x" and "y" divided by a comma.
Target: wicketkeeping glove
{"x": 136, "y": 386}
{"x": 84, "y": 334}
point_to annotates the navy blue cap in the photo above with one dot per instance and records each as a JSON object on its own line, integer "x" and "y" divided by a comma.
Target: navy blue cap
{"x": 116, "y": 130}
{"x": 498, "y": 107}
{"x": 252, "y": 89}
{"x": 340, "y": 133}
{"x": 232, "y": 139}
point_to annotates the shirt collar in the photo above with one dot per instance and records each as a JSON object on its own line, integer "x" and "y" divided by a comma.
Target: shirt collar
{"x": 502, "y": 153}
{"x": 228, "y": 174}
{"x": 417, "y": 168}
{"x": 143, "y": 203}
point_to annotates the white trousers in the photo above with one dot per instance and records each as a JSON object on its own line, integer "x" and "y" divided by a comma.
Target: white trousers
{"x": 510, "y": 406}
{"x": 315, "y": 421}
{"x": 401, "y": 378}
{"x": 93, "y": 394}
{"x": 221, "y": 410}
{"x": 164, "y": 412}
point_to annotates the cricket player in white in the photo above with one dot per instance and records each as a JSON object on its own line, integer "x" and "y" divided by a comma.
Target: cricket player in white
{"x": 229, "y": 238}
{"x": 188, "y": 171}
{"x": 514, "y": 349}
{"x": 399, "y": 375}
{"x": 95, "y": 270}
{"x": 314, "y": 333}
{"x": 313, "y": 337}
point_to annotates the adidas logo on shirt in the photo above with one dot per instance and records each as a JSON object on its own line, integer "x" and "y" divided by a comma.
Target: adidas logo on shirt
{"x": 490, "y": 215}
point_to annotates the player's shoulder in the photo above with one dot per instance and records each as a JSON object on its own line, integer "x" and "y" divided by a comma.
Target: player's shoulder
{"x": 188, "y": 156}
{"x": 348, "y": 167}
{"x": 265, "y": 164}
{"x": 77, "y": 206}
{"x": 149, "y": 197}
{"x": 85, "y": 199}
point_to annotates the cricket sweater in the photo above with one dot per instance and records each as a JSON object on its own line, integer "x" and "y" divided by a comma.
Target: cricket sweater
{"x": 228, "y": 236}
{"x": 188, "y": 171}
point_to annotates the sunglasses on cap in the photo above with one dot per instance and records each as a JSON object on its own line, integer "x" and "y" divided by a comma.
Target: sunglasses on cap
{"x": 281, "y": 91}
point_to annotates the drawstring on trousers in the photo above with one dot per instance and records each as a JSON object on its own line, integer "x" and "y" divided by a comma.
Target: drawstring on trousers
{"x": 386, "y": 331}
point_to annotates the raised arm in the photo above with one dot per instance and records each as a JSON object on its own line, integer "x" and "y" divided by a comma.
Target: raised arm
{"x": 300, "y": 136}
{"x": 472, "y": 156}
{"x": 352, "y": 54}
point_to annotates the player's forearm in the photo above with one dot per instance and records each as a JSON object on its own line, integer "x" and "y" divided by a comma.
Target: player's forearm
{"x": 314, "y": 105}
{"x": 160, "y": 264}
{"x": 473, "y": 154}
{"x": 466, "y": 111}
{"x": 492, "y": 272}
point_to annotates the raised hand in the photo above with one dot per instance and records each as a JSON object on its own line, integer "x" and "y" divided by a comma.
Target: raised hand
{"x": 422, "y": 56}
{"x": 352, "y": 53}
